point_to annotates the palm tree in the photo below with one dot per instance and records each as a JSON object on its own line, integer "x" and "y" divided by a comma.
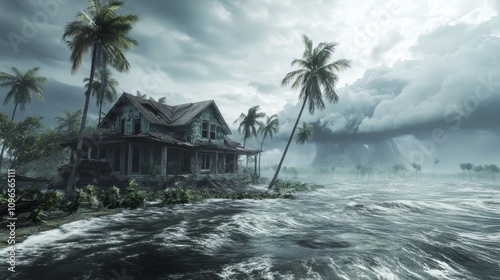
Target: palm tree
{"x": 22, "y": 86}
{"x": 103, "y": 33}
{"x": 249, "y": 123}
{"x": 315, "y": 78}
{"x": 305, "y": 134}
{"x": 69, "y": 121}
{"x": 162, "y": 100}
{"x": 436, "y": 161}
{"x": 270, "y": 128}
{"x": 104, "y": 89}
{"x": 140, "y": 95}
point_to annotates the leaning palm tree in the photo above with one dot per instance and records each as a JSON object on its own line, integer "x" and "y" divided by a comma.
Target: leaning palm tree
{"x": 103, "y": 33}
{"x": 305, "y": 134}
{"x": 249, "y": 123}
{"x": 269, "y": 128}
{"x": 316, "y": 79}
{"x": 22, "y": 86}
{"x": 104, "y": 89}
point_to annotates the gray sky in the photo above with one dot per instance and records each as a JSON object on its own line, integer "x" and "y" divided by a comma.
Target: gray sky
{"x": 424, "y": 73}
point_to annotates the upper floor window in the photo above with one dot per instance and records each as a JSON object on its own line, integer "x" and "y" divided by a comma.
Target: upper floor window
{"x": 213, "y": 133}
{"x": 204, "y": 129}
{"x": 137, "y": 126}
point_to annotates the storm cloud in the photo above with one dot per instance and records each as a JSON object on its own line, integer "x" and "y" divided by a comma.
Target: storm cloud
{"x": 419, "y": 71}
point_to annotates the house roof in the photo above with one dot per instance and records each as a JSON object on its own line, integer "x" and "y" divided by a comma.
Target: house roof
{"x": 166, "y": 115}
{"x": 166, "y": 138}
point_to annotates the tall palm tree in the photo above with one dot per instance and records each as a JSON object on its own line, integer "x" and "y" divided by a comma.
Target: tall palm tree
{"x": 305, "y": 133}
{"x": 270, "y": 128}
{"x": 249, "y": 123}
{"x": 103, "y": 33}
{"x": 104, "y": 89}
{"x": 22, "y": 86}
{"x": 70, "y": 121}
{"x": 316, "y": 79}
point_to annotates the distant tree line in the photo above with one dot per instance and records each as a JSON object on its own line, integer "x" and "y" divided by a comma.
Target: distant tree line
{"x": 480, "y": 172}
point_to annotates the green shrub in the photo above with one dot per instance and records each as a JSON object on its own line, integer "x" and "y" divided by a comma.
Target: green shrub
{"x": 110, "y": 198}
{"x": 91, "y": 196}
{"x": 134, "y": 198}
{"x": 73, "y": 203}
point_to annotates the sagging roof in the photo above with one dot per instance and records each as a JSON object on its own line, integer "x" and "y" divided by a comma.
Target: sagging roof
{"x": 166, "y": 115}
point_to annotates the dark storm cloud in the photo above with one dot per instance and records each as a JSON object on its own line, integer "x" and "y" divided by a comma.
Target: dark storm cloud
{"x": 447, "y": 97}
{"x": 57, "y": 98}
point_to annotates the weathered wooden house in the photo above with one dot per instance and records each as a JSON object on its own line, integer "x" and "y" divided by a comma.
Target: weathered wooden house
{"x": 144, "y": 137}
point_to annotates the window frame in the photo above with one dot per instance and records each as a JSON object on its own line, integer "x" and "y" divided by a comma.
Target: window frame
{"x": 213, "y": 131}
{"x": 206, "y": 159}
{"x": 205, "y": 132}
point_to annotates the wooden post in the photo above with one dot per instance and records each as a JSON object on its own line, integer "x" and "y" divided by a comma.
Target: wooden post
{"x": 255, "y": 165}
{"x": 196, "y": 162}
{"x": 129, "y": 159}
{"x": 216, "y": 162}
{"x": 164, "y": 160}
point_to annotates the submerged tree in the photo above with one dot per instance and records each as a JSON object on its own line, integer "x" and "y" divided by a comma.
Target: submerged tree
{"x": 269, "y": 128}
{"x": 468, "y": 167}
{"x": 417, "y": 169}
{"x": 105, "y": 34}
{"x": 316, "y": 79}
{"x": 436, "y": 161}
{"x": 22, "y": 86}
{"x": 305, "y": 134}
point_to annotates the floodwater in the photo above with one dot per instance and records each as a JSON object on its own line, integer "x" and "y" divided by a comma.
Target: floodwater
{"x": 348, "y": 230}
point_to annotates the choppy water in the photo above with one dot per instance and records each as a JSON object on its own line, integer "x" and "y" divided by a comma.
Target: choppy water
{"x": 349, "y": 230}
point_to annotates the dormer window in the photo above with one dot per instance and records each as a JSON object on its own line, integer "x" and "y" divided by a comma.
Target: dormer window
{"x": 204, "y": 129}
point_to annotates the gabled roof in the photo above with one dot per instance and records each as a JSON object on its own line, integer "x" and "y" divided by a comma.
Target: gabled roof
{"x": 166, "y": 115}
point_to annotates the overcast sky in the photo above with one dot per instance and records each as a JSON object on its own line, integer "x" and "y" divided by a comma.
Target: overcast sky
{"x": 425, "y": 73}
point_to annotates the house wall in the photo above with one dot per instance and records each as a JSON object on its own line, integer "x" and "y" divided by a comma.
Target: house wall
{"x": 128, "y": 113}
{"x": 194, "y": 130}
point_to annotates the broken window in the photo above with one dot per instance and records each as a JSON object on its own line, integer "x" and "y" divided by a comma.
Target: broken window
{"x": 204, "y": 129}
{"x": 137, "y": 126}
{"x": 213, "y": 129}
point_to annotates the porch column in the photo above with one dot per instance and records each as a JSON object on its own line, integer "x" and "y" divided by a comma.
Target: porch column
{"x": 163, "y": 167}
{"x": 216, "y": 162}
{"x": 235, "y": 162}
{"x": 255, "y": 165}
{"x": 130, "y": 152}
{"x": 196, "y": 162}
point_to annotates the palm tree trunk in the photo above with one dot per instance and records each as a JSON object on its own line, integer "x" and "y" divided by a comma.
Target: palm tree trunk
{"x": 13, "y": 112}
{"x": 71, "y": 182}
{"x": 261, "y": 145}
{"x": 3, "y": 146}
{"x": 287, "y": 145}
{"x": 100, "y": 110}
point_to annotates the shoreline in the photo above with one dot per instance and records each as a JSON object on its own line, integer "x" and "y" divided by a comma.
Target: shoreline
{"x": 54, "y": 220}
